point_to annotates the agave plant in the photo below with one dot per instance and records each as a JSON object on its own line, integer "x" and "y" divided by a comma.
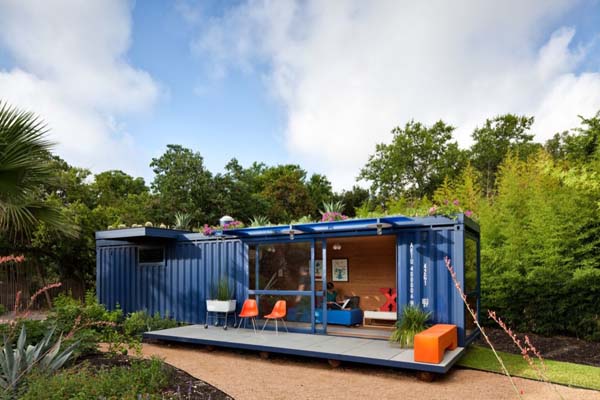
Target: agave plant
{"x": 307, "y": 219}
{"x": 413, "y": 321}
{"x": 332, "y": 207}
{"x": 182, "y": 220}
{"x": 260, "y": 220}
{"x": 45, "y": 356}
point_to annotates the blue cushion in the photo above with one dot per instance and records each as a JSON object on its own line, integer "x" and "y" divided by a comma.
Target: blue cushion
{"x": 341, "y": 317}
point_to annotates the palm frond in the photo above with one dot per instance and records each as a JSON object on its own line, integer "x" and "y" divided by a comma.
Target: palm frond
{"x": 24, "y": 170}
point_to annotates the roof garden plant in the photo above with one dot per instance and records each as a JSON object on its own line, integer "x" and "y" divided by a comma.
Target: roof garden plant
{"x": 259, "y": 220}
{"x": 182, "y": 220}
{"x": 332, "y": 211}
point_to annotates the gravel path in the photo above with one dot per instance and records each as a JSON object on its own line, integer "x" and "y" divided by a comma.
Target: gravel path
{"x": 244, "y": 375}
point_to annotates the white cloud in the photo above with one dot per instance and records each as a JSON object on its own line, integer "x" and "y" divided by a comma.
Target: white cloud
{"x": 71, "y": 69}
{"x": 348, "y": 72}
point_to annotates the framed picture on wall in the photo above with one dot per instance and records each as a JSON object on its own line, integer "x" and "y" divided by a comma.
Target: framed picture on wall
{"x": 318, "y": 270}
{"x": 339, "y": 270}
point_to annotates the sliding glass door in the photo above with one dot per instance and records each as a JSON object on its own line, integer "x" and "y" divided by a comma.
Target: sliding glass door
{"x": 284, "y": 271}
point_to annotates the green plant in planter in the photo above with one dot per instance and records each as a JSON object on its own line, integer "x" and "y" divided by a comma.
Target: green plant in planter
{"x": 223, "y": 290}
{"x": 413, "y": 321}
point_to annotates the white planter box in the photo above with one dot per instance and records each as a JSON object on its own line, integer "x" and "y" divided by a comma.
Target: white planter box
{"x": 223, "y": 306}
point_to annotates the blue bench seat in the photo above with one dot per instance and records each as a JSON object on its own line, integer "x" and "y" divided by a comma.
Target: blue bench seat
{"x": 341, "y": 317}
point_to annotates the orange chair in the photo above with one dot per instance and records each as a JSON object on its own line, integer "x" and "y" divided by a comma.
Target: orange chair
{"x": 279, "y": 312}
{"x": 249, "y": 311}
{"x": 430, "y": 345}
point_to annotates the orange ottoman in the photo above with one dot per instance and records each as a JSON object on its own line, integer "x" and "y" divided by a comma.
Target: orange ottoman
{"x": 430, "y": 345}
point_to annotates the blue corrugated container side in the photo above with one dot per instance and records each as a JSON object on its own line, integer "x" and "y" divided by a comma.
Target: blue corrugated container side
{"x": 179, "y": 287}
{"x": 422, "y": 275}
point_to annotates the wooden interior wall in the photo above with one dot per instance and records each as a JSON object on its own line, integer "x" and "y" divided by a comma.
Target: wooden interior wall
{"x": 371, "y": 265}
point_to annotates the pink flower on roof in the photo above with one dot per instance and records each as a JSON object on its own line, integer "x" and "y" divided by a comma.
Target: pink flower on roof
{"x": 333, "y": 216}
{"x": 456, "y": 202}
{"x": 432, "y": 210}
{"x": 207, "y": 230}
{"x": 468, "y": 213}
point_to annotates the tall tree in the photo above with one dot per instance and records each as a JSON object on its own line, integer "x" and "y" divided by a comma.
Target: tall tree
{"x": 581, "y": 145}
{"x": 416, "y": 161}
{"x": 352, "y": 199}
{"x": 319, "y": 190}
{"x": 494, "y": 140}
{"x": 240, "y": 189}
{"x": 284, "y": 187}
{"x": 24, "y": 169}
{"x": 110, "y": 187}
{"x": 183, "y": 184}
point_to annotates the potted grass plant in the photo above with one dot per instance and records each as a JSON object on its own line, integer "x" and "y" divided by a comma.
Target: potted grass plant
{"x": 414, "y": 320}
{"x": 221, "y": 300}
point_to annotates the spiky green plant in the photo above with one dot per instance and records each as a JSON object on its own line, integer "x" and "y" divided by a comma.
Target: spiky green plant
{"x": 307, "y": 219}
{"x": 332, "y": 207}
{"x": 223, "y": 290}
{"x": 259, "y": 220}
{"x": 17, "y": 363}
{"x": 414, "y": 320}
{"x": 182, "y": 220}
{"x": 24, "y": 169}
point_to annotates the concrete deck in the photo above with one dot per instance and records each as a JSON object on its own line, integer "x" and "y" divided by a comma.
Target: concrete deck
{"x": 367, "y": 351}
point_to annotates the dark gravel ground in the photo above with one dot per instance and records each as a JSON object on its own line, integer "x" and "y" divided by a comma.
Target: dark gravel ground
{"x": 559, "y": 348}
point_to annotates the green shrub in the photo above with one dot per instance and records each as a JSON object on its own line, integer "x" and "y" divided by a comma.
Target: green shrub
{"x": 93, "y": 319}
{"x": 139, "y": 322}
{"x": 545, "y": 301}
{"x": 413, "y": 321}
{"x": 141, "y": 378}
{"x": 66, "y": 310}
{"x": 2, "y": 309}
{"x": 36, "y": 329}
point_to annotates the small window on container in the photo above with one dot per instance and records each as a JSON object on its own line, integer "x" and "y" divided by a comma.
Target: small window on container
{"x": 151, "y": 255}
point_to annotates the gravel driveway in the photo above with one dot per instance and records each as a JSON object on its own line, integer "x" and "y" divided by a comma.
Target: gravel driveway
{"x": 244, "y": 375}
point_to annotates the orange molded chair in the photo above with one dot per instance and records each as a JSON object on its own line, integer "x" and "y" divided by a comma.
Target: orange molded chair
{"x": 279, "y": 312}
{"x": 249, "y": 311}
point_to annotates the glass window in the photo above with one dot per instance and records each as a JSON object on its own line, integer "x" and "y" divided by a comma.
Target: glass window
{"x": 471, "y": 289}
{"x": 298, "y": 309}
{"x": 151, "y": 255}
{"x": 284, "y": 266}
{"x": 469, "y": 322}
{"x": 470, "y": 265}
{"x": 252, "y": 266}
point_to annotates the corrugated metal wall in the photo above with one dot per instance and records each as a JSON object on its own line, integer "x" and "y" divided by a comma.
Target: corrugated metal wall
{"x": 422, "y": 275}
{"x": 180, "y": 287}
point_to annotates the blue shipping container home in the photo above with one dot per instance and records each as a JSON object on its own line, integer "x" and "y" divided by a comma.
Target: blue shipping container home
{"x": 376, "y": 267}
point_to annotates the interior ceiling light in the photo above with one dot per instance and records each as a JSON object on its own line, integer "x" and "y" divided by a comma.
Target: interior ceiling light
{"x": 337, "y": 246}
{"x": 379, "y": 226}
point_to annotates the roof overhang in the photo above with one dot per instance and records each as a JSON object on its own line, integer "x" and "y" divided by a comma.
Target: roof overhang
{"x": 139, "y": 233}
{"x": 383, "y": 224}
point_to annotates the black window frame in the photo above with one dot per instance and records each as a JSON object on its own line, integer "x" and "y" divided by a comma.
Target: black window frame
{"x": 151, "y": 263}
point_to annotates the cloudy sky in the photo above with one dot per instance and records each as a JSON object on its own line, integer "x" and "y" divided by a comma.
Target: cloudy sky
{"x": 317, "y": 83}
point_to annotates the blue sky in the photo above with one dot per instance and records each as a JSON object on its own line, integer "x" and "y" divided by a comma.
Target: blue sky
{"x": 308, "y": 82}
{"x": 221, "y": 118}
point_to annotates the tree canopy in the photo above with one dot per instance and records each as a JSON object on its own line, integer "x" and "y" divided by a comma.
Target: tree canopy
{"x": 415, "y": 163}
